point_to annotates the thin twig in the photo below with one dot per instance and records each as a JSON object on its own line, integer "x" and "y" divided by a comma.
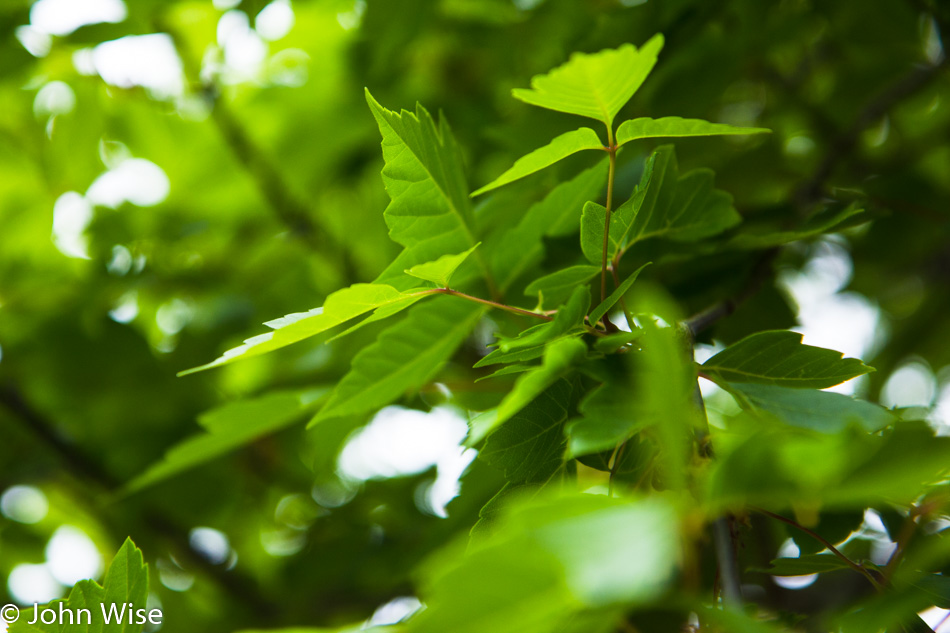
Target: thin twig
{"x": 493, "y": 304}
{"x": 831, "y": 548}
{"x": 612, "y": 152}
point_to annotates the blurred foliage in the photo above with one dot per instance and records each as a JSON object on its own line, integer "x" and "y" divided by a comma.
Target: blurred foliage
{"x": 275, "y": 201}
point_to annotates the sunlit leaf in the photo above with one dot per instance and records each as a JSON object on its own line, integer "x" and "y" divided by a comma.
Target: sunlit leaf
{"x": 674, "y": 126}
{"x": 429, "y": 212}
{"x": 339, "y": 307}
{"x": 405, "y": 357}
{"x": 778, "y": 357}
{"x": 595, "y": 85}
{"x": 440, "y": 271}
{"x": 560, "y": 148}
{"x": 125, "y": 584}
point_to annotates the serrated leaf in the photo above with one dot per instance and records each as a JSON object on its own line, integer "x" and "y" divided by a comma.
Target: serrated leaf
{"x": 440, "y": 271}
{"x": 404, "y": 357}
{"x": 516, "y": 250}
{"x": 560, "y": 148}
{"x": 595, "y": 85}
{"x": 429, "y": 212}
{"x": 126, "y": 582}
{"x": 594, "y": 217}
{"x": 558, "y": 286}
{"x": 615, "y": 296}
{"x": 339, "y": 307}
{"x": 674, "y": 126}
{"x": 560, "y": 358}
{"x": 529, "y": 447}
{"x": 569, "y": 316}
{"x": 812, "y": 409}
{"x": 674, "y": 207}
{"x": 804, "y": 565}
{"x": 227, "y": 428}
{"x": 778, "y": 357}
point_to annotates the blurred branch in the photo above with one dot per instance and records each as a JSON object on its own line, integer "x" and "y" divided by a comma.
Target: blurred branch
{"x": 842, "y": 147}
{"x": 721, "y": 309}
{"x": 291, "y": 210}
{"x": 831, "y": 548}
{"x": 241, "y": 588}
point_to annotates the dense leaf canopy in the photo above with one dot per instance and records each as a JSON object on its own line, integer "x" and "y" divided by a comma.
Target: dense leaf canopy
{"x": 651, "y": 369}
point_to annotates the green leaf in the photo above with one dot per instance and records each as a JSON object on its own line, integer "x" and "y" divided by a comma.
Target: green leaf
{"x": 595, "y": 85}
{"x": 429, "y": 212}
{"x": 513, "y": 252}
{"x": 404, "y": 357}
{"x": 529, "y": 447}
{"x": 569, "y": 316}
{"x": 551, "y": 563}
{"x": 126, "y": 582}
{"x": 507, "y": 371}
{"x": 615, "y": 296}
{"x": 560, "y": 148}
{"x": 558, "y": 286}
{"x": 440, "y": 271}
{"x": 819, "y": 224}
{"x": 811, "y": 409}
{"x": 674, "y": 207}
{"x": 229, "y": 427}
{"x": 674, "y": 126}
{"x": 778, "y": 357}
{"x": 805, "y": 565}
{"x": 560, "y": 358}
{"x": 514, "y": 356}
{"x": 339, "y": 307}
{"x": 613, "y": 342}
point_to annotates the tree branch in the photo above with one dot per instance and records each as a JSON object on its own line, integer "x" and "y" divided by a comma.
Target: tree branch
{"x": 831, "y": 548}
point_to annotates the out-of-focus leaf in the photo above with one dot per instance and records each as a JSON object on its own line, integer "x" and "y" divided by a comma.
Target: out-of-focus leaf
{"x": 560, "y": 148}
{"x": 812, "y": 409}
{"x": 541, "y": 566}
{"x": 403, "y": 358}
{"x": 778, "y": 357}
{"x": 229, "y": 427}
{"x": 125, "y": 584}
{"x": 805, "y": 565}
{"x": 595, "y": 85}
{"x": 674, "y": 126}
{"x": 817, "y": 225}
{"x": 440, "y": 271}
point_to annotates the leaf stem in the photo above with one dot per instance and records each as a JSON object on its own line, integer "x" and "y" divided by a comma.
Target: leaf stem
{"x": 831, "y": 548}
{"x": 612, "y": 153}
{"x": 493, "y": 304}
